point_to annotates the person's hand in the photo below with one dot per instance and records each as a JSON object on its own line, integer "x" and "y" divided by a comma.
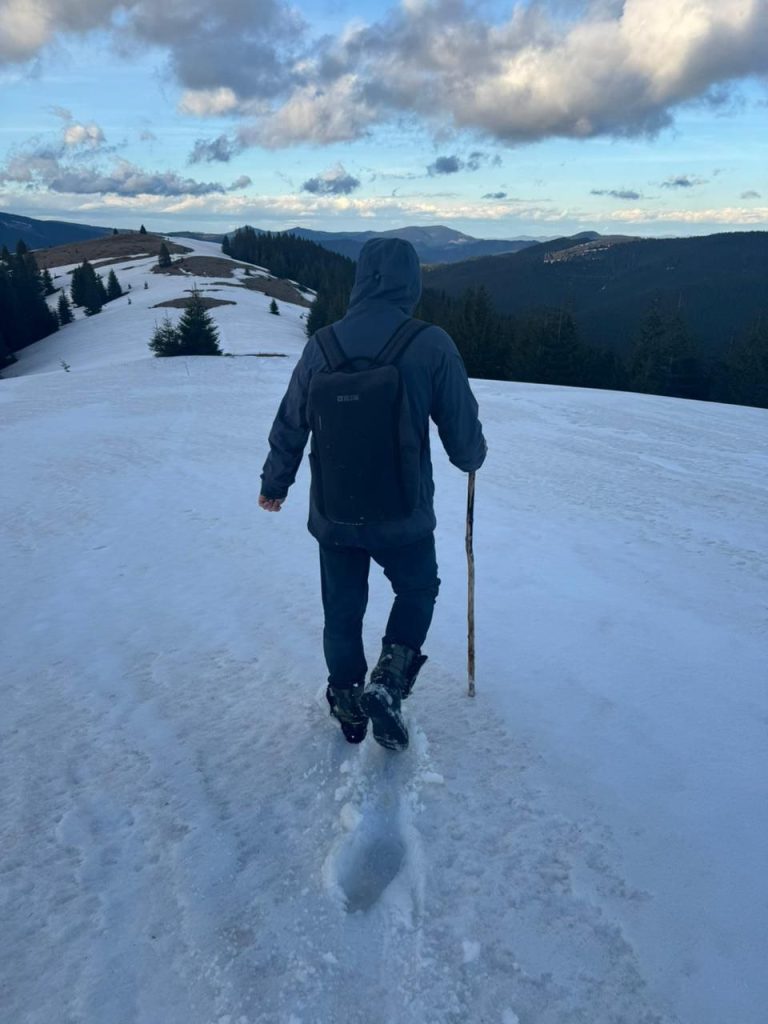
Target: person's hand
{"x": 270, "y": 504}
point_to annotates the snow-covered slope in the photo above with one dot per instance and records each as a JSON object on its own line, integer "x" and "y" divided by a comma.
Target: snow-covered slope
{"x": 120, "y": 333}
{"x": 187, "y": 839}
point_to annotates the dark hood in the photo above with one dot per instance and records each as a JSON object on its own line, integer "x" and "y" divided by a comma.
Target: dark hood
{"x": 388, "y": 270}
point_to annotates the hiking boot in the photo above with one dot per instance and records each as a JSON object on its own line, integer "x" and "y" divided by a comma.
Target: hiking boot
{"x": 391, "y": 682}
{"x": 344, "y": 702}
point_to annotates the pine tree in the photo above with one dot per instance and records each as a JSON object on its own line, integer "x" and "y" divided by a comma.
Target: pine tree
{"x": 164, "y": 256}
{"x": 198, "y": 334}
{"x": 24, "y": 313}
{"x": 48, "y": 286}
{"x": 34, "y": 320}
{"x": 663, "y": 360}
{"x": 225, "y": 247}
{"x": 165, "y": 339}
{"x": 64, "y": 309}
{"x": 88, "y": 289}
{"x": 481, "y": 335}
{"x": 318, "y": 315}
{"x": 748, "y": 366}
{"x": 273, "y": 308}
{"x": 114, "y": 291}
{"x": 6, "y": 356}
{"x": 142, "y": 230}
{"x": 9, "y": 313}
{"x": 77, "y": 287}
{"x": 548, "y": 350}
{"x": 114, "y": 231}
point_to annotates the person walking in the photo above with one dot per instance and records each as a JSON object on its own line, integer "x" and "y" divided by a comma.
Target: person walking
{"x": 365, "y": 389}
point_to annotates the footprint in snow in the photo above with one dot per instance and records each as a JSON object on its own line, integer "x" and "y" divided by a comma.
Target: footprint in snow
{"x": 369, "y": 861}
{"x": 369, "y": 858}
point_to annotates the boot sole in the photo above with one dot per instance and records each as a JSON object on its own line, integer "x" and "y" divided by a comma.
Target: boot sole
{"x": 389, "y": 729}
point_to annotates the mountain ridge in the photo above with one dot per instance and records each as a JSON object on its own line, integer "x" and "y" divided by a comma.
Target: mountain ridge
{"x": 42, "y": 234}
{"x": 434, "y": 243}
{"x": 717, "y": 282}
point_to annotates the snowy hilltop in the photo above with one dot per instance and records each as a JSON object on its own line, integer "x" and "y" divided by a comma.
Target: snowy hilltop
{"x": 187, "y": 839}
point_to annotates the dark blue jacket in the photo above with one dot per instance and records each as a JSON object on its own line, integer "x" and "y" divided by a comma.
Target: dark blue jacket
{"x": 386, "y": 291}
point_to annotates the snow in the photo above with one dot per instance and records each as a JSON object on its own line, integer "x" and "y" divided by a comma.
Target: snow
{"x": 186, "y": 837}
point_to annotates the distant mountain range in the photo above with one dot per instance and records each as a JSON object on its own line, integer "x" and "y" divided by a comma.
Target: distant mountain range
{"x": 434, "y": 244}
{"x": 42, "y": 234}
{"x": 719, "y": 283}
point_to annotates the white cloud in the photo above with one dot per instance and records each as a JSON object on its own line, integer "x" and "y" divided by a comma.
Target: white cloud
{"x": 28, "y": 25}
{"x": 74, "y": 164}
{"x": 24, "y": 28}
{"x": 48, "y": 170}
{"x": 287, "y": 209}
{"x": 683, "y": 181}
{"x": 616, "y": 69}
{"x": 218, "y": 150}
{"x": 730, "y": 215}
{"x": 608, "y": 68}
{"x": 89, "y": 135}
{"x": 321, "y": 115}
{"x": 336, "y": 181}
{"x": 208, "y": 102}
{"x": 489, "y": 219}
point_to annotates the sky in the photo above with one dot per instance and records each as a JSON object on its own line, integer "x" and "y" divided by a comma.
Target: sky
{"x": 502, "y": 120}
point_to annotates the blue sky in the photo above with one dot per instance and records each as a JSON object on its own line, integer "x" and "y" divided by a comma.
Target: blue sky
{"x": 501, "y": 120}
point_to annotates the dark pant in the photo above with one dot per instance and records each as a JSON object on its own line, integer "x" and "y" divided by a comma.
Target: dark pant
{"x": 412, "y": 571}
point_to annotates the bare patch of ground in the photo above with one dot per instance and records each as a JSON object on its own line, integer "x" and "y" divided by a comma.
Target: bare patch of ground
{"x": 201, "y": 266}
{"x": 110, "y": 249}
{"x": 182, "y": 303}
{"x": 277, "y": 288}
{"x": 98, "y": 264}
{"x": 213, "y": 266}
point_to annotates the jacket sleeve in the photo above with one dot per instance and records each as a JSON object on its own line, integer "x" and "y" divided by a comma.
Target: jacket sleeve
{"x": 288, "y": 436}
{"x": 454, "y": 410}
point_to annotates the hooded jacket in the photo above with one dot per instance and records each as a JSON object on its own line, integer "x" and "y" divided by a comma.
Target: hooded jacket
{"x": 387, "y": 289}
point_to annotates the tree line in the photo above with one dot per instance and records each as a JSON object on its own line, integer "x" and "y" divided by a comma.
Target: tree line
{"x": 25, "y": 315}
{"x": 545, "y": 347}
{"x": 298, "y": 259}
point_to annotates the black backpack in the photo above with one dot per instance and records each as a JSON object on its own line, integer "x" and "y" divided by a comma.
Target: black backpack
{"x": 365, "y": 453}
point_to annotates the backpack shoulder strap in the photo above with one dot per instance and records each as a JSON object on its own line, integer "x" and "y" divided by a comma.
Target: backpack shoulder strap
{"x": 401, "y": 339}
{"x": 333, "y": 353}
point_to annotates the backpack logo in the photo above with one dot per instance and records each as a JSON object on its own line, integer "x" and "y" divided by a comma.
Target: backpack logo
{"x": 347, "y": 398}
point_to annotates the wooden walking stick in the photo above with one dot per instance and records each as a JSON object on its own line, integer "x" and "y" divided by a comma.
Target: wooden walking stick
{"x": 470, "y": 586}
